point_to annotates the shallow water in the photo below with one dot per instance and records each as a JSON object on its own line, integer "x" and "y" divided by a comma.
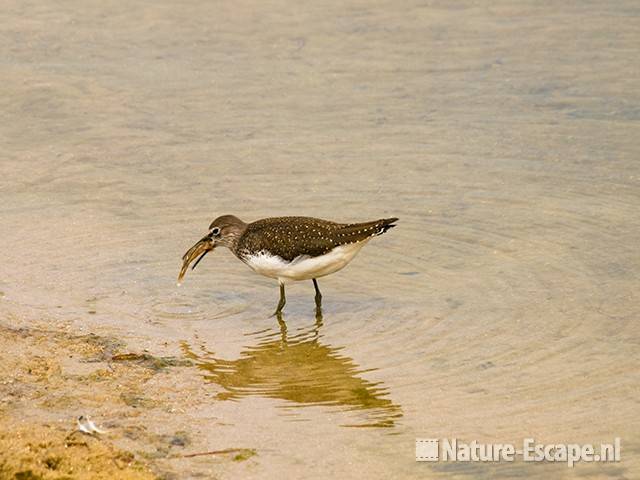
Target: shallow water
{"x": 504, "y": 136}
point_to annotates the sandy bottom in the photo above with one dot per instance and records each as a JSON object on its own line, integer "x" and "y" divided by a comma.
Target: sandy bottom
{"x": 45, "y": 371}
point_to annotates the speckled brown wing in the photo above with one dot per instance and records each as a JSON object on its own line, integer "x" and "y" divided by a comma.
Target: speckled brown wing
{"x": 290, "y": 237}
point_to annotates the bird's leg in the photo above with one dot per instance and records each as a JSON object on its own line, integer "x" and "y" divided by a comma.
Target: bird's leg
{"x": 318, "y": 294}
{"x": 318, "y": 302}
{"x": 282, "y": 301}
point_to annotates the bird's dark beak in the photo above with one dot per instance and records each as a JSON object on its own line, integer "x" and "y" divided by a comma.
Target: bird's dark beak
{"x": 204, "y": 246}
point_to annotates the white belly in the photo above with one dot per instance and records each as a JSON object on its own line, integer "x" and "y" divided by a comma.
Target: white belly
{"x": 304, "y": 267}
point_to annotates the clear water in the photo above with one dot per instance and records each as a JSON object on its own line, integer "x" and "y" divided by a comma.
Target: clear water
{"x": 504, "y": 135}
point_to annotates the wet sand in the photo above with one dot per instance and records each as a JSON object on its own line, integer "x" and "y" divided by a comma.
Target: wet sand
{"x": 503, "y": 306}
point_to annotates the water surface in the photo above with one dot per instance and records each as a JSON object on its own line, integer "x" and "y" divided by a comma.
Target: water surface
{"x": 504, "y": 135}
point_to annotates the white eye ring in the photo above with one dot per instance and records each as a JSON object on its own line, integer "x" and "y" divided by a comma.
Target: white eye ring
{"x": 215, "y": 231}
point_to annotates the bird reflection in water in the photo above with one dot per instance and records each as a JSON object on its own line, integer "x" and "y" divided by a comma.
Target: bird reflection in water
{"x": 300, "y": 369}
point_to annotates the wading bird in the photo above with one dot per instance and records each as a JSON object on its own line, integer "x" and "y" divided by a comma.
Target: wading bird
{"x": 288, "y": 248}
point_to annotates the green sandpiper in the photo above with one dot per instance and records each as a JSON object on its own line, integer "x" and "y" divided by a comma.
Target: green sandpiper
{"x": 288, "y": 248}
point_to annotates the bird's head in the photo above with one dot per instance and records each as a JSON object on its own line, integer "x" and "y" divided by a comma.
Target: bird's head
{"x": 224, "y": 231}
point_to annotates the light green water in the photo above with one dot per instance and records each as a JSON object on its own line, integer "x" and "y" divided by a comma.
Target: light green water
{"x": 504, "y": 135}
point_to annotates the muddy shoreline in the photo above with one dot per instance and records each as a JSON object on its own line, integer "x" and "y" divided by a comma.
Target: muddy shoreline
{"x": 50, "y": 377}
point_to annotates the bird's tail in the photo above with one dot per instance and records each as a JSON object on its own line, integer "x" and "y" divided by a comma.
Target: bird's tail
{"x": 356, "y": 232}
{"x": 385, "y": 224}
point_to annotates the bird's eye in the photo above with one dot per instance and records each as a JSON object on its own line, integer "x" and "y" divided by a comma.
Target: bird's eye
{"x": 215, "y": 231}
